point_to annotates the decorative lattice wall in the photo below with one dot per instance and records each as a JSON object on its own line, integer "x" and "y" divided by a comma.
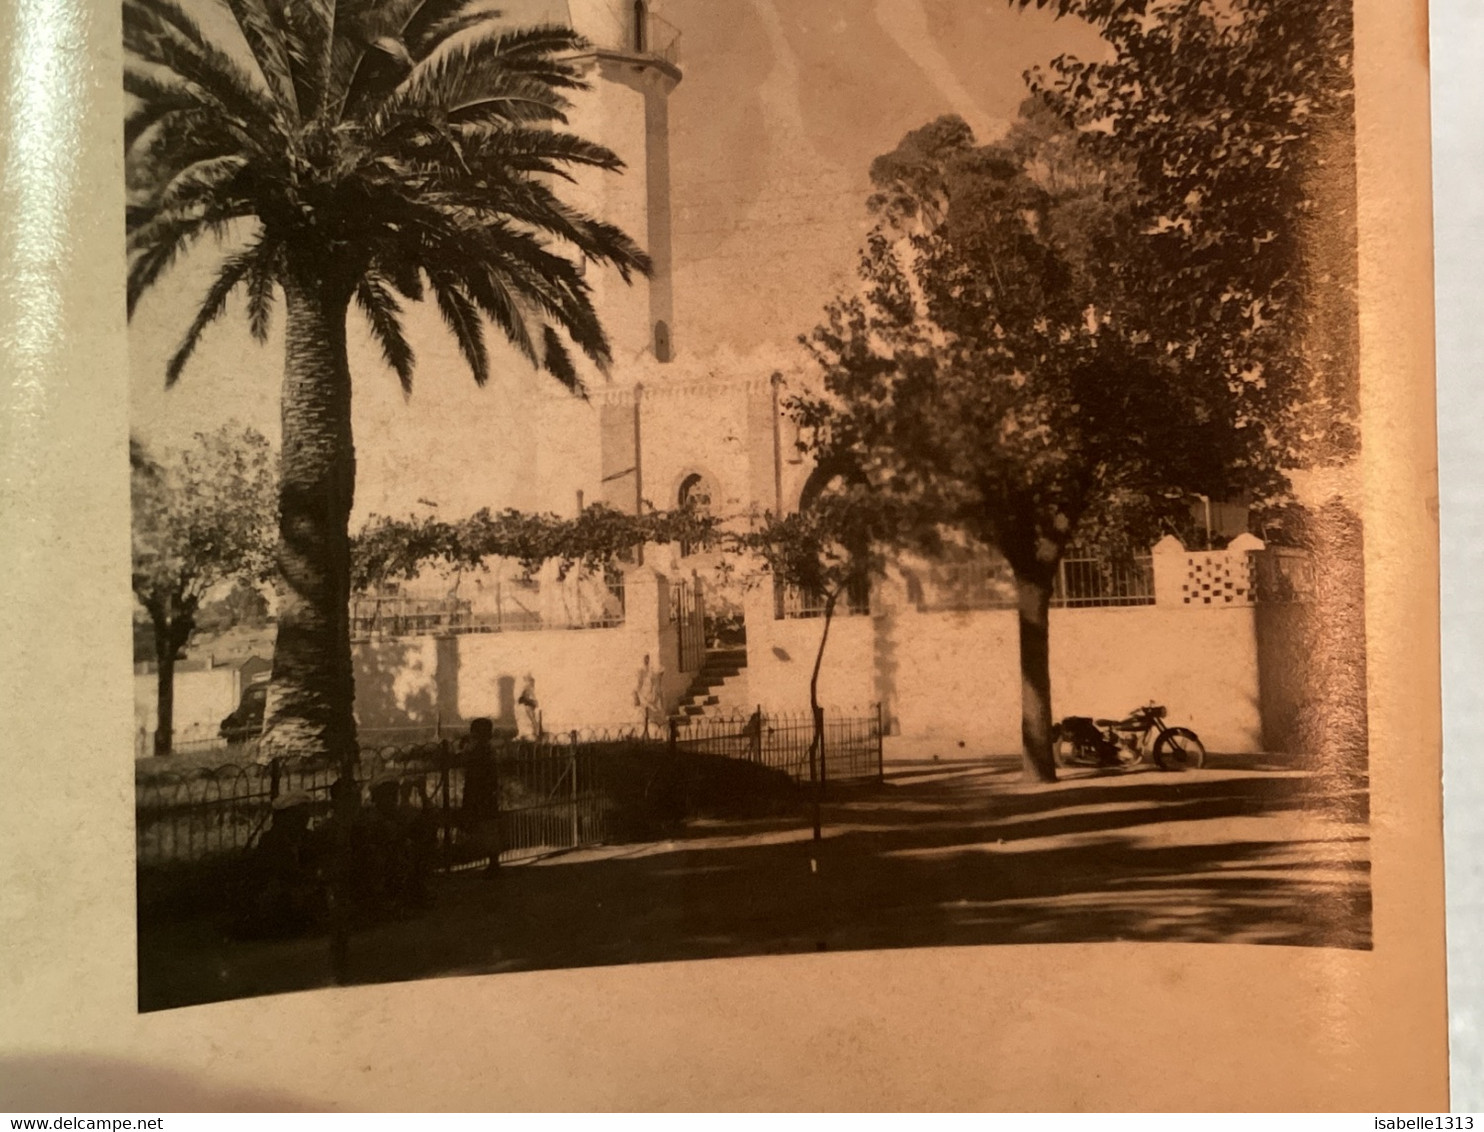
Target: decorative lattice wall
{"x": 1217, "y": 578}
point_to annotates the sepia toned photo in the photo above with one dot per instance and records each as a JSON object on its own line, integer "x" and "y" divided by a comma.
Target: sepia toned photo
{"x": 623, "y": 482}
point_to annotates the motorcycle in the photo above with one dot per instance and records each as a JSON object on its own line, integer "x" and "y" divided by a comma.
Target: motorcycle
{"x": 1125, "y": 743}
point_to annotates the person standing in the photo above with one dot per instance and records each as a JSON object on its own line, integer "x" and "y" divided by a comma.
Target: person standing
{"x": 528, "y": 711}
{"x": 649, "y": 696}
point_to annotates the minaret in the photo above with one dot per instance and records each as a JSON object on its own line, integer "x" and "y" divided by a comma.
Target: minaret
{"x": 631, "y": 67}
{"x": 633, "y": 70}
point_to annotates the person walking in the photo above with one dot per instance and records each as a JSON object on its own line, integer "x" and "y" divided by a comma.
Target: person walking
{"x": 649, "y": 696}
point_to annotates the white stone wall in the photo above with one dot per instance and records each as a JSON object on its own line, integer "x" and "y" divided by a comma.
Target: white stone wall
{"x": 781, "y": 652}
{"x": 585, "y": 678}
{"x": 202, "y": 700}
{"x": 955, "y": 676}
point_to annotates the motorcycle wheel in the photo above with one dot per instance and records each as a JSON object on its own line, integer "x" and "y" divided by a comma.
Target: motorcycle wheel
{"x": 1179, "y": 749}
{"x": 1064, "y": 748}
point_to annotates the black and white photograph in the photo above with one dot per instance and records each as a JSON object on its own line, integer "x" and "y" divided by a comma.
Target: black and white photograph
{"x": 637, "y": 481}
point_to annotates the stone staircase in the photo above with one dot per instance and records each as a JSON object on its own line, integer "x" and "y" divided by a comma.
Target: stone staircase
{"x": 718, "y": 690}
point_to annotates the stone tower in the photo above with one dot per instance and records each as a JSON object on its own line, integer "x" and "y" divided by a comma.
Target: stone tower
{"x": 632, "y": 69}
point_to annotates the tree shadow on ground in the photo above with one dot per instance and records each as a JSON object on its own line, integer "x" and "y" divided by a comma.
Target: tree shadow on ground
{"x": 1237, "y": 858}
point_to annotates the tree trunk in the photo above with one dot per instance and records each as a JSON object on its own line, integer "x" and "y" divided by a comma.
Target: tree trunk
{"x": 164, "y": 683}
{"x": 816, "y": 715}
{"x": 173, "y": 620}
{"x": 312, "y": 695}
{"x": 1033, "y": 598}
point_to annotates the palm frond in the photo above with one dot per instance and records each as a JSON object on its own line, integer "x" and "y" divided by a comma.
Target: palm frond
{"x": 549, "y": 284}
{"x": 492, "y": 295}
{"x": 403, "y": 274}
{"x": 307, "y": 37}
{"x": 383, "y": 313}
{"x": 558, "y": 362}
{"x": 532, "y": 203}
{"x": 360, "y": 76}
{"x": 520, "y": 149}
{"x": 231, "y": 276}
{"x": 261, "y": 281}
{"x": 265, "y": 40}
{"x": 153, "y": 35}
{"x": 467, "y": 73}
{"x": 158, "y": 236}
{"x": 452, "y": 237}
{"x": 431, "y": 22}
{"x": 203, "y": 178}
{"x": 509, "y": 107}
{"x": 462, "y": 319}
{"x": 174, "y": 143}
{"x": 165, "y": 12}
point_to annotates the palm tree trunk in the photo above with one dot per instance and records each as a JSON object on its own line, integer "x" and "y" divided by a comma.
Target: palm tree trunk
{"x": 1033, "y": 598}
{"x": 313, "y": 688}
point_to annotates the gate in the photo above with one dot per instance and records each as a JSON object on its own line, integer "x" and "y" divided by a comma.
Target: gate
{"x": 688, "y": 615}
{"x": 782, "y": 741}
{"x": 548, "y": 798}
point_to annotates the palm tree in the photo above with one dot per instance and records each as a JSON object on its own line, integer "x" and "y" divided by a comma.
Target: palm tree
{"x": 357, "y": 151}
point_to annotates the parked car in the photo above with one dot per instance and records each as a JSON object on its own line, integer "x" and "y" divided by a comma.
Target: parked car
{"x": 246, "y": 723}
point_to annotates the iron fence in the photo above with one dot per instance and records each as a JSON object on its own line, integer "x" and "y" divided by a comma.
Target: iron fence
{"x": 1083, "y": 582}
{"x": 781, "y": 741}
{"x": 1080, "y": 583}
{"x": 547, "y": 791}
{"x": 582, "y": 602}
{"x": 688, "y": 615}
{"x": 792, "y": 602}
{"x": 550, "y": 791}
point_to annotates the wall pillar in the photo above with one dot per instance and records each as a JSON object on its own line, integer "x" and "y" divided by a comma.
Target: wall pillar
{"x": 1171, "y": 567}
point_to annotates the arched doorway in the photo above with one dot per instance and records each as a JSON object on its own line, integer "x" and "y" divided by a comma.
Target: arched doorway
{"x": 694, "y": 496}
{"x": 825, "y": 478}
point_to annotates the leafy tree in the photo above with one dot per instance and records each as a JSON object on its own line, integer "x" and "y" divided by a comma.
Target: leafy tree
{"x": 1235, "y": 119}
{"x": 243, "y": 604}
{"x": 829, "y": 549}
{"x": 387, "y": 549}
{"x": 1066, "y": 334}
{"x": 979, "y": 381}
{"x": 201, "y": 518}
{"x": 357, "y": 151}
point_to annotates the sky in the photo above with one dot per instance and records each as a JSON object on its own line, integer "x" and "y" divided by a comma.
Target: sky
{"x": 781, "y": 109}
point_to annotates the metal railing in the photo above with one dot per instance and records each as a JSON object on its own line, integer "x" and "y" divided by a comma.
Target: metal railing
{"x": 1082, "y": 582}
{"x": 547, "y": 799}
{"x": 550, "y": 792}
{"x": 688, "y": 615}
{"x": 781, "y": 741}
{"x": 591, "y": 603}
{"x": 792, "y": 602}
{"x": 661, "y": 39}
